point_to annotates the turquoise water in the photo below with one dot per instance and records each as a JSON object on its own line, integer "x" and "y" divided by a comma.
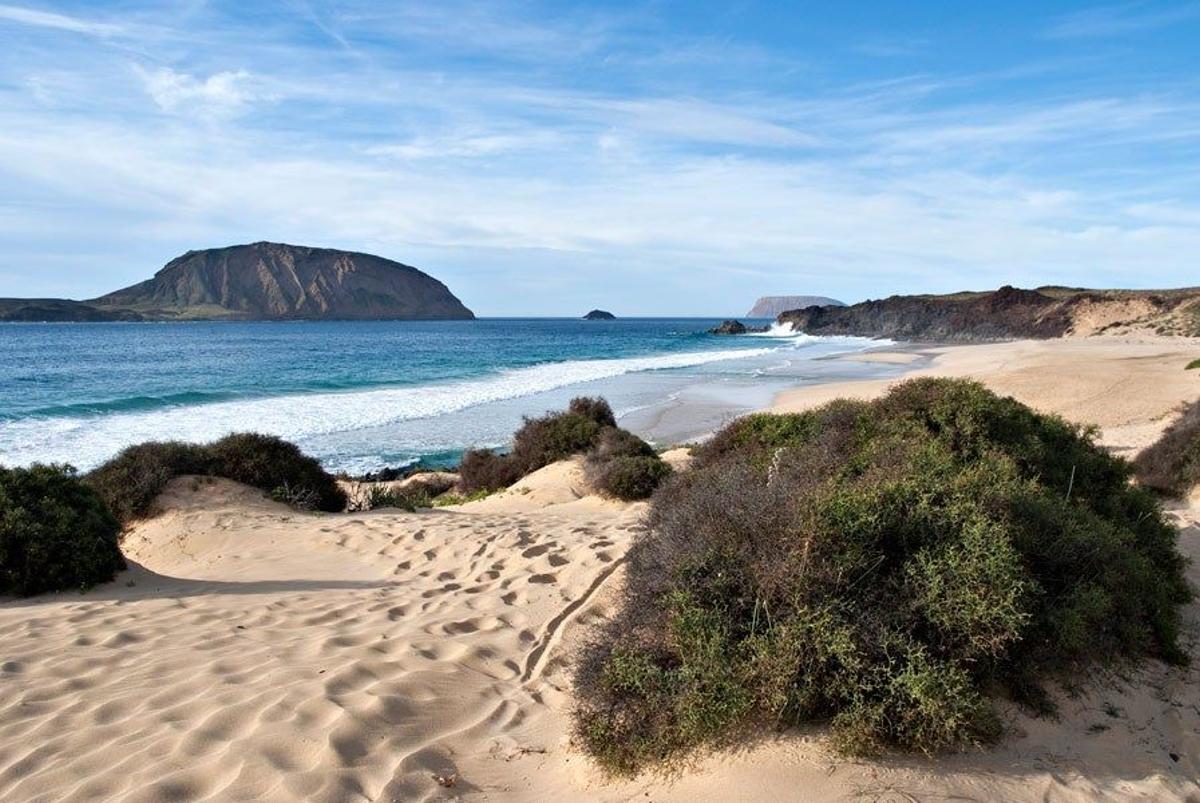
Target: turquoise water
{"x": 364, "y": 394}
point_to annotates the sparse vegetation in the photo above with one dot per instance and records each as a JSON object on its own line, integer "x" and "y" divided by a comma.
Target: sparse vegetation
{"x": 55, "y": 532}
{"x": 130, "y": 482}
{"x": 1171, "y": 465}
{"x": 401, "y": 498}
{"x": 1193, "y": 365}
{"x": 620, "y": 464}
{"x": 485, "y": 471}
{"x": 593, "y": 408}
{"x": 623, "y": 466}
{"x": 885, "y": 567}
{"x": 628, "y": 478}
{"x": 451, "y": 499}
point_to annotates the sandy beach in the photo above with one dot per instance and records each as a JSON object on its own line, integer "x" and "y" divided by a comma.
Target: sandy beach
{"x": 252, "y": 652}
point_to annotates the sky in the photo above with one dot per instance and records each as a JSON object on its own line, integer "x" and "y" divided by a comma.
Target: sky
{"x": 656, "y": 158}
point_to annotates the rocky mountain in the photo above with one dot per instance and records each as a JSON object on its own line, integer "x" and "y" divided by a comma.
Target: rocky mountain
{"x": 272, "y": 281}
{"x": 263, "y": 281}
{"x": 773, "y": 306}
{"x": 1006, "y": 314}
{"x": 599, "y": 315}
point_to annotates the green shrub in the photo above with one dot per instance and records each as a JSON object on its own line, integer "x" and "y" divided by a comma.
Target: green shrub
{"x": 619, "y": 464}
{"x": 130, "y": 482}
{"x": 553, "y": 437}
{"x": 884, "y": 567}
{"x": 409, "y": 499}
{"x": 628, "y": 477}
{"x": 485, "y": 471}
{"x": 613, "y": 442}
{"x": 1171, "y": 465}
{"x": 451, "y": 499}
{"x": 1193, "y": 365}
{"x": 275, "y": 465}
{"x": 538, "y": 443}
{"x": 594, "y": 408}
{"x": 55, "y": 532}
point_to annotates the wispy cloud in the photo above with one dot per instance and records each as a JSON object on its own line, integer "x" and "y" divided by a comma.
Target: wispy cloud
{"x": 535, "y": 160}
{"x": 1117, "y": 20}
{"x": 48, "y": 19}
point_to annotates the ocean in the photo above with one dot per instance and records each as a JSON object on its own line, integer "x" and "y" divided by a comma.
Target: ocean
{"x": 363, "y": 395}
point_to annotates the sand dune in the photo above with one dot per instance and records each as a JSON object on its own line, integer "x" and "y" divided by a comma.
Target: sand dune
{"x": 257, "y": 653}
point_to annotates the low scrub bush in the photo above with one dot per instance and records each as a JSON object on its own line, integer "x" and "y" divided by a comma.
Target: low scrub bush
{"x": 55, "y": 532}
{"x": 628, "y": 478}
{"x": 593, "y": 408}
{"x": 130, "y": 482}
{"x": 538, "y": 443}
{"x": 451, "y": 499}
{"x": 619, "y": 464}
{"x": 553, "y": 437}
{"x": 1171, "y": 465}
{"x": 271, "y": 463}
{"x": 613, "y": 443}
{"x": 623, "y": 466}
{"x": 1194, "y": 364}
{"x": 409, "y": 499}
{"x": 885, "y": 567}
{"x": 483, "y": 470}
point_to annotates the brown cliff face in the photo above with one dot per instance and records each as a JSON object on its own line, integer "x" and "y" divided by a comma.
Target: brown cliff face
{"x": 1007, "y": 314}
{"x": 272, "y": 281}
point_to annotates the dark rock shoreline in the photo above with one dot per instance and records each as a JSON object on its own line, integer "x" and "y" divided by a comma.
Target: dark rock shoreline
{"x": 1005, "y": 314}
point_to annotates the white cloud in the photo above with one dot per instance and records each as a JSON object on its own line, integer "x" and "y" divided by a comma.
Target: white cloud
{"x": 466, "y": 146}
{"x": 221, "y": 94}
{"x": 1117, "y": 20}
{"x": 62, "y": 22}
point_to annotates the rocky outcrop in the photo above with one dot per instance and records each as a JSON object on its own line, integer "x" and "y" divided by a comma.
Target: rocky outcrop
{"x": 1005, "y": 314}
{"x": 735, "y": 328}
{"x": 773, "y": 306}
{"x": 599, "y": 315}
{"x": 273, "y": 281}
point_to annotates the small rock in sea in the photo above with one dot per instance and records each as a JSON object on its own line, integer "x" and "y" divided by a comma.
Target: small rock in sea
{"x": 735, "y": 328}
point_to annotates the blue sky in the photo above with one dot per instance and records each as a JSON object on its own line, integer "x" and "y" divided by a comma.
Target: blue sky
{"x": 654, "y": 158}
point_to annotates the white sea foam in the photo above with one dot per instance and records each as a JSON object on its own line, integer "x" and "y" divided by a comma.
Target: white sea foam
{"x": 87, "y": 441}
{"x": 784, "y": 330}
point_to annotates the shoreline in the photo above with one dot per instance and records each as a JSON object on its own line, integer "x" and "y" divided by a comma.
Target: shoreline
{"x": 1127, "y": 387}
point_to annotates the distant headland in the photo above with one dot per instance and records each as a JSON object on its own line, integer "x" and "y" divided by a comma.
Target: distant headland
{"x": 262, "y": 281}
{"x": 1008, "y": 313}
{"x": 772, "y": 306}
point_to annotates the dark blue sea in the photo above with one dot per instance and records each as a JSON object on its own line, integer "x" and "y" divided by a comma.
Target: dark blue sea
{"x": 361, "y": 395}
